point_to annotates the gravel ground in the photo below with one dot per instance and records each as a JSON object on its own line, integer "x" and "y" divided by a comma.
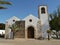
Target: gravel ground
{"x": 28, "y": 42}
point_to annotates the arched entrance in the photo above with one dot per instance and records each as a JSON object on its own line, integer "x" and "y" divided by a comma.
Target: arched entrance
{"x": 30, "y": 32}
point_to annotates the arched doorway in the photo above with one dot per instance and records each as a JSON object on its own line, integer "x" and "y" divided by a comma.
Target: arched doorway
{"x": 30, "y": 32}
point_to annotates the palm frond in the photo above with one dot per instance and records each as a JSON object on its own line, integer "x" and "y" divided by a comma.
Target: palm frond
{"x": 1, "y": 7}
{"x": 5, "y": 2}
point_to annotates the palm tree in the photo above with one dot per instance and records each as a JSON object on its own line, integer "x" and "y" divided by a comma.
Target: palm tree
{"x": 2, "y": 2}
{"x": 14, "y": 28}
{"x": 48, "y": 31}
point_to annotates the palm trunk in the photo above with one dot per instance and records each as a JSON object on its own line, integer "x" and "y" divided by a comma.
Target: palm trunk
{"x": 56, "y": 35}
{"x": 48, "y": 36}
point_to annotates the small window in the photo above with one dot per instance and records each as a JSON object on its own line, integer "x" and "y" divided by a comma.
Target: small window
{"x": 30, "y": 20}
{"x": 43, "y": 10}
{"x": 13, "y": 20}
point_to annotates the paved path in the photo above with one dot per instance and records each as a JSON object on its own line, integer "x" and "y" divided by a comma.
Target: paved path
{"x": 28, "y": 42}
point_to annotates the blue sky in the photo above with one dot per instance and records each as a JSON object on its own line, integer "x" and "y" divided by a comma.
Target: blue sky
{"x": 22, "y": 8}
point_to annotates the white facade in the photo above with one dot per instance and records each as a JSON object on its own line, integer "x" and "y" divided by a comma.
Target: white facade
{"x": 33, "y": 23}
{"x": 41, "y": 21}
{"x": 8, "y": 24}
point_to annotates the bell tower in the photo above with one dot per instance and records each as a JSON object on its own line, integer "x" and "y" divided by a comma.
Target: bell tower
{"x": 43, "y": 16}
{"x": 42, "y": 10}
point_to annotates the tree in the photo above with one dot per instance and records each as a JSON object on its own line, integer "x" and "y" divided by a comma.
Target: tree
{"x": 14, "y": 28}
{"x": 2, "y": 26}
{"x": 55, "y": 21}
{"x": 49, "y": 32}
{"x": 2, "y": 2}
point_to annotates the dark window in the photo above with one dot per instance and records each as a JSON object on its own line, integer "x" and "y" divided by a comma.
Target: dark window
{"x": 13, "y": 20}
{"x": 30, "y": 20}
{"x": 42, "y": 10}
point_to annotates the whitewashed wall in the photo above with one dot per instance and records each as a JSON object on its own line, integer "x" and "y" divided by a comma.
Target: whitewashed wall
{"x": 8, "y": 24}
{"x": 44, "y": 21}
{"x": 33, "y": 23}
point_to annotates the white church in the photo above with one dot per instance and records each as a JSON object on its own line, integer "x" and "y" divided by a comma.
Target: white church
{"x": 34, "y": 27}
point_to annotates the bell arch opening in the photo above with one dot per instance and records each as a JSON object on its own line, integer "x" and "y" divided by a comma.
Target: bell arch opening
{"x": 42, "y": 10}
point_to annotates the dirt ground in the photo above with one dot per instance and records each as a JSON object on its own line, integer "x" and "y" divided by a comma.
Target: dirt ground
{"x": 28, "y": 42}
